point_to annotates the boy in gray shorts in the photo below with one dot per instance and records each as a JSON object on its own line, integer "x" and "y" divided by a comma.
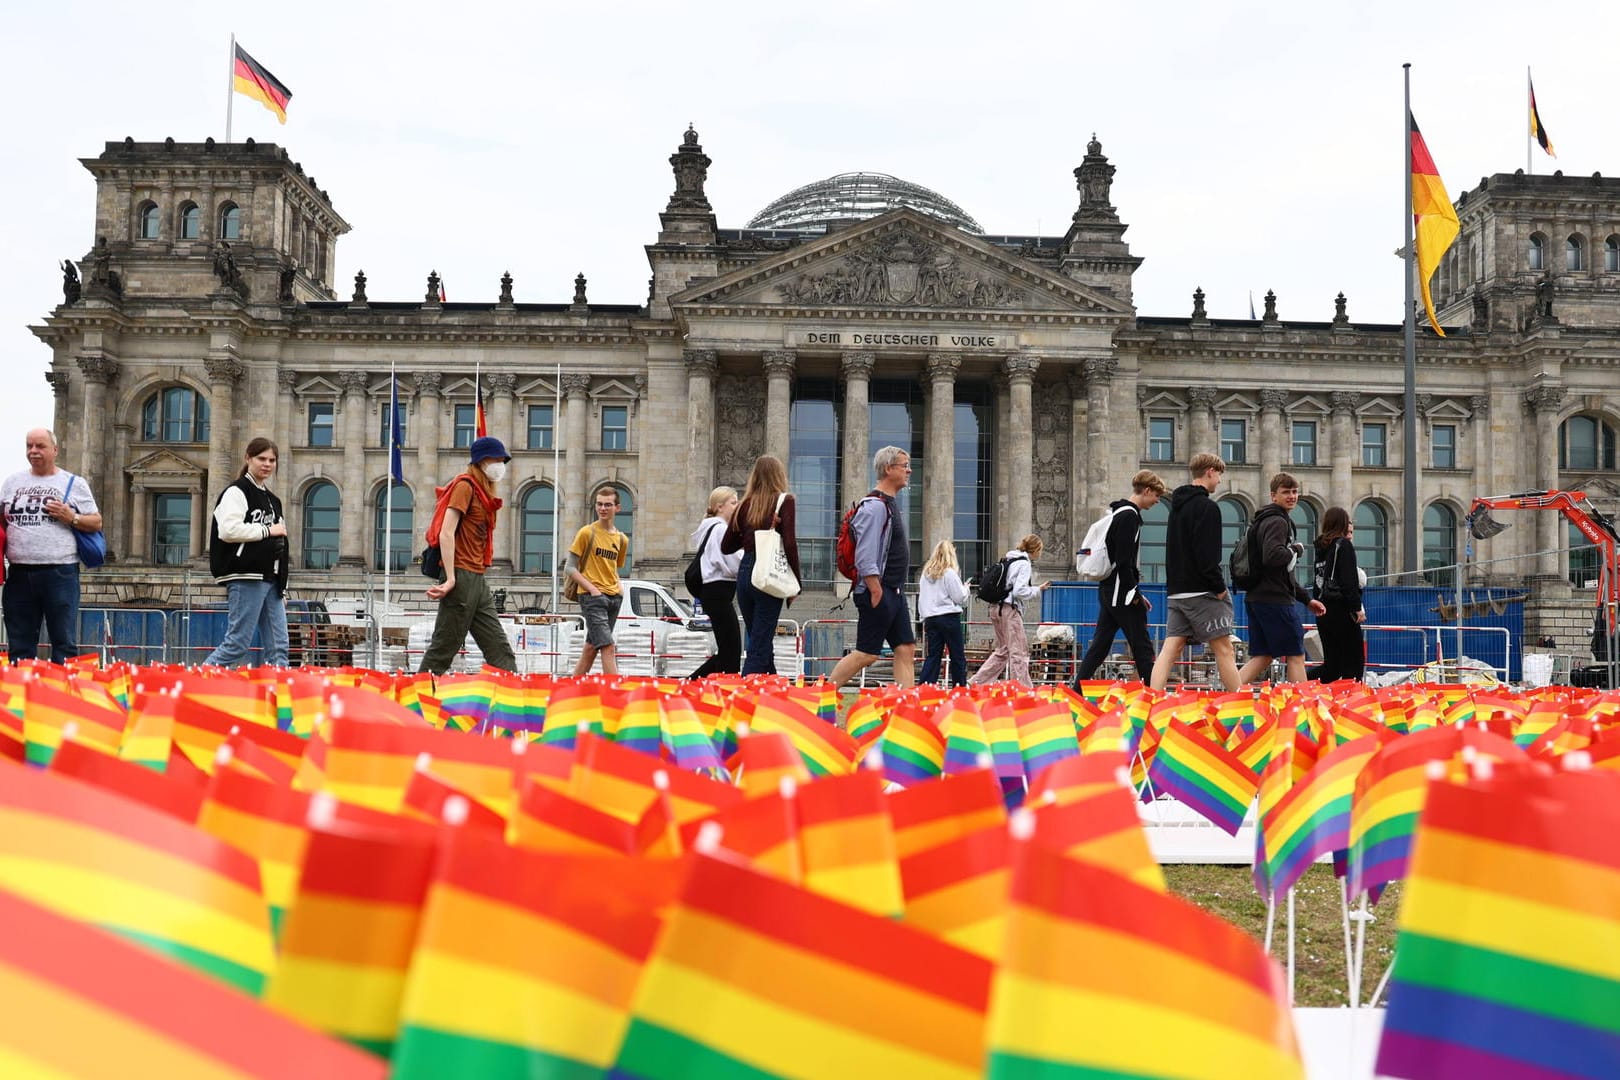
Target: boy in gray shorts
{"x": 1200, "y": 607}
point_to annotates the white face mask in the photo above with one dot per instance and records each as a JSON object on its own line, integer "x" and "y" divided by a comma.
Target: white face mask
{"x": 496, "y": 471}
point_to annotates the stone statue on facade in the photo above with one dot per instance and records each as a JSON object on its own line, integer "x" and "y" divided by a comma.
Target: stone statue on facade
{"x": 1095, "y": 177}
{"x": 691, "y": 167}
{"x": 102, "y": 276}
{"x": 1482, "y": 311}
{"x": 434, "y": 289}
{"x": 284, "y": 281}
{"x": 225, "y": 268}
{"x": 579, "y": 291}
{"x": 359, "y": 287}
{"x": 71, "y": 289}
{"x": 506, "y": 287}
{"x": 1544, "y": 300}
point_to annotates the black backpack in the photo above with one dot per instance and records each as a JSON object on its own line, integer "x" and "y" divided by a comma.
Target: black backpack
{"x": 993, "y": 581}
{"x": 694, "y": 569}
{"x": 1245, "y": 563}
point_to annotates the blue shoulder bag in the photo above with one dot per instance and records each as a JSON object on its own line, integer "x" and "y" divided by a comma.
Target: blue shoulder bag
{"x": 92, "y": 545}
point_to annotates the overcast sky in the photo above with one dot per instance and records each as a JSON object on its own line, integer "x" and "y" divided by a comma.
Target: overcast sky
{"x": 1257, "y": 146}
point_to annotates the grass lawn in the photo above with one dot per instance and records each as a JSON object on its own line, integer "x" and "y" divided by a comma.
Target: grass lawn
{"x": 1320, "y": 975}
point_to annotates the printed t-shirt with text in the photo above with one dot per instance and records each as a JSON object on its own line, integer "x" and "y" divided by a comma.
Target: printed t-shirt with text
{"x": 600, "y": 554}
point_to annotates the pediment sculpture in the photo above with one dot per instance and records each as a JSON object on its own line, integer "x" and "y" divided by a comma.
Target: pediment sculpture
{"x": 903, "y": 270}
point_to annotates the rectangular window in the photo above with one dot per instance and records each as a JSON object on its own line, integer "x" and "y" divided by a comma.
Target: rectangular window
{"x": 385, "y": 436}
{"x": 321, "y": 430}
{"x": 1444, "y": 442}
{"x": 1374, "y": 446}
{"x": 615, "y": 427}
{"x": 814, "y": 446}
{"x": 171, "y": 528}
{"x": 1161, "y": 438}
{"x": 1234, "y": 441}
{"x": 466, "y": 426}
{"x": 1304, "y": 443}
{"x": 540, "y": 427}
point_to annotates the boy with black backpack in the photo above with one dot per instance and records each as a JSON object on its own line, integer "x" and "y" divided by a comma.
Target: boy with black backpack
{"x": 466, "y": 541}
{"x": 1121, "y": 605}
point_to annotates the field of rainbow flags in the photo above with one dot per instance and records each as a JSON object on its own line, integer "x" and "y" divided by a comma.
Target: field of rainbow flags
{"x": 346, "y": 873}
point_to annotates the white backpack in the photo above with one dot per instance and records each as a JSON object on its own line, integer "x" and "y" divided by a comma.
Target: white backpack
{"x": 1092, "y": 561}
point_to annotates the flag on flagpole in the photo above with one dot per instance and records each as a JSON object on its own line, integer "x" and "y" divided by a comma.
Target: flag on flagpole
{"x": 480, "y": 426}
{"x": 1537, "y": 129}
{"x": 1252, "y": 315}
{"x": 1433, "y": 217}
{"x": 443, "y": 296}
{"x": 254, "y": 80}
{"x": 396, "y": 435}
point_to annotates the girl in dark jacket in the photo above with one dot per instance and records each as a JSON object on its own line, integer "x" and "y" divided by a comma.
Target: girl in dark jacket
{"x": 247, "y": 552}
{"x": 1338, "y": 586}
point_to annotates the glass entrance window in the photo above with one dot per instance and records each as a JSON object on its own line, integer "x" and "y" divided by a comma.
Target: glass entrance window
{"x": 171, "y": 528}
{"x": 975, "y": 478}
{"x": 814, "y": 455}
{"x": 896, "y": 410}
{"x": 1155, "y": 530}
{"x": 399, "y": 540}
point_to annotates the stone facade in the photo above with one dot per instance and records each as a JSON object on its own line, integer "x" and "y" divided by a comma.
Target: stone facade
{"x": 1075, "y": 390}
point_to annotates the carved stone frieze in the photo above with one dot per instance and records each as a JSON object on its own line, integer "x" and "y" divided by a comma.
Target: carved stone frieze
{"x": 1544, "y": 398}
{"x": 739, "y": 420}
{"x": 224, "y": 369}
{"x": 1273, "y": 398}
{"x": 501, "y": 382}
{"x": 429, "y": 382}
{"x": 704, "y": 362}
{"x": 575, "y": 384}
{"x": 1101, "y": 369}
{"x": 1480, "y": 403}
{"x": 1053, "y": 488}
{"x": 98, "y": 369}
{"x": 286, "y": 380}
{"x": 1345, "y": 401}
{"x": 903, "y": 270}
{"x": 1201, "y": 397}
{"x": 353, "y": 381}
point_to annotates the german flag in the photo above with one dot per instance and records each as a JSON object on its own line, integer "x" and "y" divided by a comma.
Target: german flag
{"x": 1432, "y": 216}
{"x": 1537, "y": 129}
{"x": 254, "y": 80}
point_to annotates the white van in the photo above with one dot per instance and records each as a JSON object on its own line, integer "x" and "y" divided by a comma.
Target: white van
{"x": 656, "y": 633}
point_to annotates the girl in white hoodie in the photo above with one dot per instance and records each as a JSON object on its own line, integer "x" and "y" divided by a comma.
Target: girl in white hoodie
{"x": 940, "y": 598}
{"x": 719, "y": 585}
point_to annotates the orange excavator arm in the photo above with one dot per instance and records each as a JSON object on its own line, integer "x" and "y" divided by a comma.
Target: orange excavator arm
{"x": 1597, "y": 527}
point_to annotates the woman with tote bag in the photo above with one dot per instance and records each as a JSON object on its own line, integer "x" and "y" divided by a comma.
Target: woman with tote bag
{"x": 767, "y": 510}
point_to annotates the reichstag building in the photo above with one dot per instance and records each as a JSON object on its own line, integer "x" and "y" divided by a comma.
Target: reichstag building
{"x": 850, "y": 313}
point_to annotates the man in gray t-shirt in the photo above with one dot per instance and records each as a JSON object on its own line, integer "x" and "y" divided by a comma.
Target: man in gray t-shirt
{"x": 43, "y": 506}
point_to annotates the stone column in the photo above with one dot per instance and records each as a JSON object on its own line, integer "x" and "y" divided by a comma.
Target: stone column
{"x": 1099, "y": 374}
{"x": 1484, "y": 452}
{"x": 856, "y": 479}
{"x": 502, "y": 386}
{"x": 138, "y": 550}
{"x": 702, "y": 365}
{"x": 356, "y": 517}
{"x": 1080, "y": 514}
{"x": 1271, "y": 433}
{"x": 1545, "y": 402}
{"x": 91, "y": 458}
{"x": 1020, "y": 445}
{"x": 286, "y": 424}
{"x": 114, "y": 494}
{"x": 429, "y": 406}
{"x": 575, "y": 502}
{"x": 1345, "y": 446}
{"x": 224, "y": 372}
{"x": 1201, "y": 434}
{"x": 939, "y": 481}
{"x": 779, "y": 365}
{"x": 61, "y": 401}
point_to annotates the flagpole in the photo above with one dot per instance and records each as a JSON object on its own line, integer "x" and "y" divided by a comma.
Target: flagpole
{"x": 1411, "y": 515}
{"x": 1530, "y": 103}
{"x": 556, "y": 487}
{"x": 230, "y": 88}
{"x": 388, "y": 503}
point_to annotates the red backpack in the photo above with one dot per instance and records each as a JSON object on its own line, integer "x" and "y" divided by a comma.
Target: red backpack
{"x": 432, "y": 559}
{"x": 844, "y": 548}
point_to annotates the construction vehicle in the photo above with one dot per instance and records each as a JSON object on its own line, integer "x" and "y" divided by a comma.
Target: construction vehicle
{"x": 1596, "y": 526}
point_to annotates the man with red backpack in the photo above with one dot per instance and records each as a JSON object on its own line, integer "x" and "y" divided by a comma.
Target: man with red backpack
{"x": 466, "y": 542}
{"x": 882, "y": 564}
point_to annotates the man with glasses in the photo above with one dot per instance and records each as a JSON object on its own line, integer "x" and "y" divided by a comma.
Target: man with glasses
{"x": 598, "y": 551}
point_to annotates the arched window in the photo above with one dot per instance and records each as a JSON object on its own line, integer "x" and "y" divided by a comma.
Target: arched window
{"x": 190, "y": 222}
{"x": 150, "y": 223}
{"x": 538, "y": 515}
{"x": 398, "y": 541}
{"x": 1303, "y": 515}
{"x": 230, "y": 222}
{"x": 1574, "y": 254}
{"x": 1611, "y": 254}
{"x": 1583, "y": 559}
{"x": 1234, "y": 516}
{"x": 1538, "y": 253}
{"x": 1585, "y": 442}
{"x": 175, "y": 414}
{"x": 1372, "y": 539}
{"x": 1155, "y": 528}
{"x": 1440, "y": 545}
{"x": 323, "y": 512}
{"x": 625, "y": 521}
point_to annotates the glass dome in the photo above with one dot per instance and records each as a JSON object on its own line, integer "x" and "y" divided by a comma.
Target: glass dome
{"x": 856, "y": 196}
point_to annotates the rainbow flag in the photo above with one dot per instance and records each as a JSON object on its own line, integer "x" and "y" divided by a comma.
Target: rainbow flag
{"x": 957, "y": 890}
{"x": 548, "y": 820}
{"x": 1508, "y": 959}
{"x": 48, "y": 709}
{"x": 1001, "y": 728}
{"x": 348, "y": 936}
{"x": 1079, "y": 777}
{"x": 1204, "y": 777}
{"x": 106, "y": 860}
{"x": 1046, "y": 734}
{"x": 526, "y": 963}
{"x": 754, "y": 977}
{"x": 966, "y": 744}
{"x": 1313, "y": 818}
{"x": 427, "y": 796}
{"x": 847, "y": 840}
{"x": 622, "y": 782}
{"x": 865, "y": 718}
{"x": 928, "y": 815}
{"x": 79, "y": 1002}
{"x": 763, "y": 761}
{"x": 682, "y": 735}
{"x": 913, "y": 748}
{"x": 466, "y": 700}
{"x": 826, "y": 750}
{"x": 763, "y": 831}
{"x": 266, "y": 822}
{"x": 1103, "y": 829}
{"x": 170, "y": 794}
{"x": 1165, "y": 990}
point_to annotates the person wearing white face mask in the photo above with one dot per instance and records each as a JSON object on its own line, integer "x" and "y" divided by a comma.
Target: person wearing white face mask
{"x": 467, "y": 544}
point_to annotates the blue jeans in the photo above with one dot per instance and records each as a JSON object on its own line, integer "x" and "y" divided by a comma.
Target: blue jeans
{"x": 254, "y": 605}
{"x": 45, "y": 593}
{"x": 944, "y": 634}
{"x": 760, "y": 612}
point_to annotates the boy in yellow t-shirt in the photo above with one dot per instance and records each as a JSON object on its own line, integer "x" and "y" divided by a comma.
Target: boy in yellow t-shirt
{"x": 593, "y": 563}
